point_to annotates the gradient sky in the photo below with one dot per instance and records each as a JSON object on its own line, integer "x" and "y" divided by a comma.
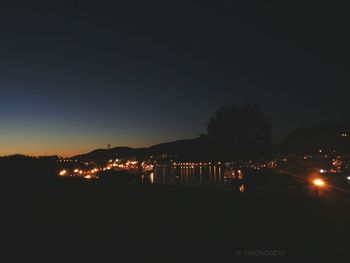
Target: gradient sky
{"x": 78, "y": 75}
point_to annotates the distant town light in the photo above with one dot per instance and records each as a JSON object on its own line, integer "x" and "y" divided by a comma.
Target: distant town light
{"x": 63, "y": 172}
{"x": 241, "y": 188}
{"x": 152, "y": 178}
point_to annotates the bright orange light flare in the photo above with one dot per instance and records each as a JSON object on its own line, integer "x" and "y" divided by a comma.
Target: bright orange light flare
{"x": 318, "y": 182}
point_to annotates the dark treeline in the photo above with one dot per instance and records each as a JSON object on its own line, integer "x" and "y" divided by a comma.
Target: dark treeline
{"x": 236, "y": 133}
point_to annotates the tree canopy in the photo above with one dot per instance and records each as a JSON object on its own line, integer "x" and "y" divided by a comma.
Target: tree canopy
{"x": 239, "y": 132}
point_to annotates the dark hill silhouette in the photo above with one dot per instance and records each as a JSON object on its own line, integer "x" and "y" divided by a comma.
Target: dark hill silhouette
{"x": 233, "y": 133}
{"x": 191, "y": 149}
{"x": 105, "y": 154}
{"x": 328, "y": 137}
{"x": 180, "y": 149}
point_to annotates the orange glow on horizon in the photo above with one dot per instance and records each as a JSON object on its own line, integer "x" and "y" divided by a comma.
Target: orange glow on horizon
{"x": 50, "y": 145}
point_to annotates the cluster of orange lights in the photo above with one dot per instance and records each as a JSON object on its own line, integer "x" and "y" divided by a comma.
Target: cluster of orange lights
{"x": 234, "y": 175}
{"x": 193, "y": 164}
{"x": 117, "y": 164}
{"x": 91, "y": 174}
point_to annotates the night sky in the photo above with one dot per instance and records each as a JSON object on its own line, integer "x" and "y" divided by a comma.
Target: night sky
{"x": 78, "y": 75}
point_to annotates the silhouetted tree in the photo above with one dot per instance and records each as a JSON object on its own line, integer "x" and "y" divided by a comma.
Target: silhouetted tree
{"x": 239, "y": 133}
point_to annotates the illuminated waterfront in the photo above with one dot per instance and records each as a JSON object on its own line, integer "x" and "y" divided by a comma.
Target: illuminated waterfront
{"x": 188, "y": 175}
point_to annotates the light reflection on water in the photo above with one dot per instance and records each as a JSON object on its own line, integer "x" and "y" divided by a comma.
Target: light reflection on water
{"x": 213, "y": 176}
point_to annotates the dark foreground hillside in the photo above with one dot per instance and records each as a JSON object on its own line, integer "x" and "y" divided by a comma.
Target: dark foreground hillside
{"x": 75, "y": 220}
{"x": 83, "y": 220}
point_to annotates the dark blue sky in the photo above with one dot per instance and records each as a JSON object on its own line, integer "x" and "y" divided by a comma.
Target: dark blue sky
{"x": 77, "y": 75}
